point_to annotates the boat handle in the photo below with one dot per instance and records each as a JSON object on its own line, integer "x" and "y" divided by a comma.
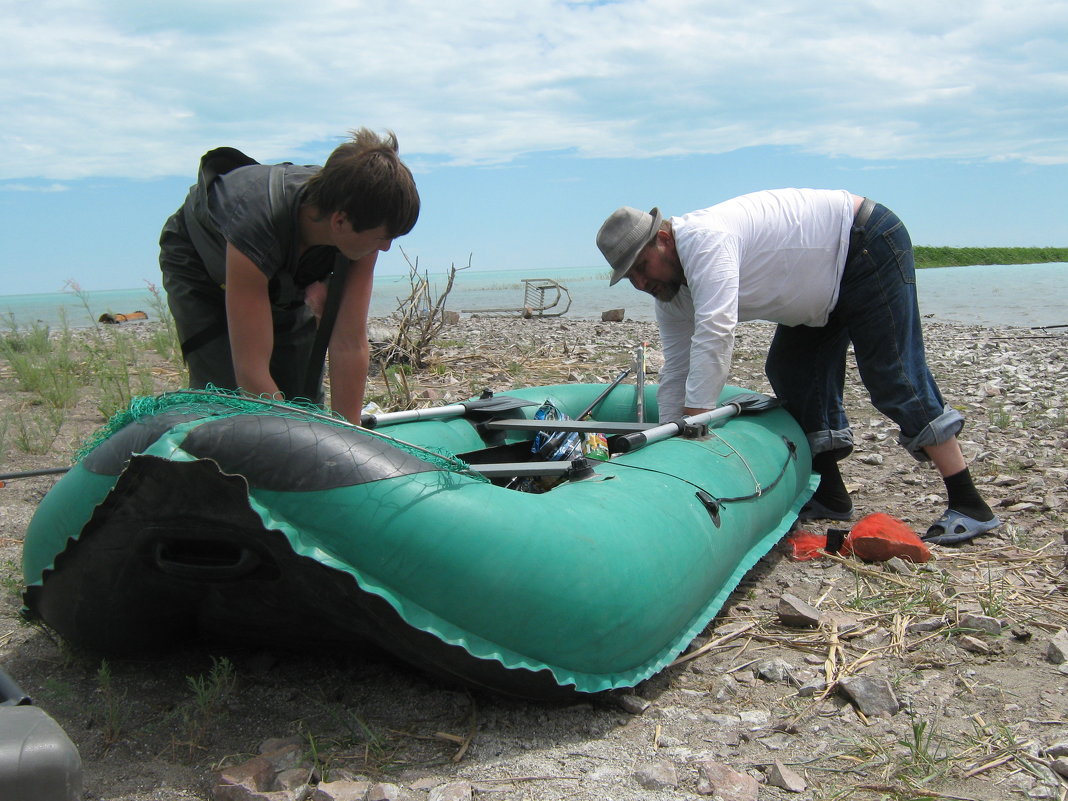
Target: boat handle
{"x": 204, "y": 560}
{"x": 711, "y": 506}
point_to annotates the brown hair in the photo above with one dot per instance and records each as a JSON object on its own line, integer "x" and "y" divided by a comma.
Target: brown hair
{"x": 365, "y": 179}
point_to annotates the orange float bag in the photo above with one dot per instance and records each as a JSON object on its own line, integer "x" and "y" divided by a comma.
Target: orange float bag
{"x": 878, "y": 537}
{"x": 805, "y": 545}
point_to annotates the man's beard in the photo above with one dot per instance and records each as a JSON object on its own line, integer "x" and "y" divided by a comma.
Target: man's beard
{"x": 666, "y": 292}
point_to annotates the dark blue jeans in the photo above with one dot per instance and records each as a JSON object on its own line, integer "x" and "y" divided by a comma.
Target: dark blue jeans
{"x": 877, "y": 312}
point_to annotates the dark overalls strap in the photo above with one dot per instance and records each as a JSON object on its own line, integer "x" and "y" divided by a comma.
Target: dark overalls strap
{"x": 313, "y": 377}
{"x": 214, "y": 163}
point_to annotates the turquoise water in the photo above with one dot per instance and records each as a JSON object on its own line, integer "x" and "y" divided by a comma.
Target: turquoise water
{"x": 1014, "y": 295}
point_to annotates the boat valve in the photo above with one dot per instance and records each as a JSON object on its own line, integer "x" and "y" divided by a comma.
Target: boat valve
{"x": 580, "y": 469}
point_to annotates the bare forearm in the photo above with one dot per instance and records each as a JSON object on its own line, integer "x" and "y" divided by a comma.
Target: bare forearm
{"x": 248, "y": 314}
{"x": 348, "y": 379}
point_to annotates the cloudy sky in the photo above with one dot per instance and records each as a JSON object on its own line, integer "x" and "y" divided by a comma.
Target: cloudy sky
{"x": 527, "y": 122}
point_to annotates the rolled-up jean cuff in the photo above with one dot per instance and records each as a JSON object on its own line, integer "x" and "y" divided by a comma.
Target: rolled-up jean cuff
{"x": 944, "y": 427}
{"x": 821, "y": 441}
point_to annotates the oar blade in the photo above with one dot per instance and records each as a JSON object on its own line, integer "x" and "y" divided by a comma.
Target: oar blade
{"x": 754, "y": 401}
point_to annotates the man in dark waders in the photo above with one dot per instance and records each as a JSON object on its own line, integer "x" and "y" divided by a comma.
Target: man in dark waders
{"x": 262, "y": 258}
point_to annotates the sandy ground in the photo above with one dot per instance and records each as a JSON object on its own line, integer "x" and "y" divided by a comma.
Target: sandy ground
{"x": 980, "y": 714}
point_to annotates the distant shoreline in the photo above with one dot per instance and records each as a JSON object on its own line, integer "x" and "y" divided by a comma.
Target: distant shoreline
{"x": 935, "y": 256}
{"x": 926, "y": 256}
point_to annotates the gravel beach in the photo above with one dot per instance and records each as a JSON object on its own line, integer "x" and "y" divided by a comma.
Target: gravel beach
{"x": 943, "y": 680}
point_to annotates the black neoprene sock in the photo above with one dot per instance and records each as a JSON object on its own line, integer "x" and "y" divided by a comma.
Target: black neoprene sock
{"x": 832, "y": 491}
{"x": 965, "y": 498}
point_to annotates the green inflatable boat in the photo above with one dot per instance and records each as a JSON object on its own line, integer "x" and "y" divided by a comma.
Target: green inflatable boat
{"x": 199, "y": 516}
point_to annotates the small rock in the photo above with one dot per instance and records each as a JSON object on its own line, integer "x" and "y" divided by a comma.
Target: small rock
{"x": 878, "y": 638}
{"x": 774, "y": 670}
{"x": 872, "y": 458}
{"x": 1021, "y": 506}
{"x": 715, "y": 778}
{"x": 453, "y": 791}
{"x": 255, "y": 774}
{"x": 871, "y": 696}
{"x": 629, "y": 702}
{"x": 1057, "y": 650}
{"x": 811, "y": 688}
{"x": 1060, "y": 767}
{"x": 980, "y": 623}
{"x": 788, "y": 779}
{"x": 973, "y": 644}
{"x": 285, "y": 757}
{"x": 612, "y": 316}
{"x": 925, "y": 626}
{"x": 1057, "y": 750}
{"x": 755, "y": 718}
{"x": 384, "y": 791}
{"x": 292, "y": 778}
{"x": 794, "y": 612}
{"x": 659, "y": 775}
{"x": 346, "y": 790}
{"x": 895, "y": 564}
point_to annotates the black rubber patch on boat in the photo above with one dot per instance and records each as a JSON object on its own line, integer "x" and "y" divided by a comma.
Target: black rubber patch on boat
{"x": 110, "y": 456}
{"x": 277, "y": 453}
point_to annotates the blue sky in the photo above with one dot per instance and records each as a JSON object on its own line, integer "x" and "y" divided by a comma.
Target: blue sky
{"x": 527, "y": 122}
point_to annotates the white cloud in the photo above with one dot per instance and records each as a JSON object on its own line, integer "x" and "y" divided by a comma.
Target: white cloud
{"x": 42, "y": 189}
{"x": 141, "y": 89}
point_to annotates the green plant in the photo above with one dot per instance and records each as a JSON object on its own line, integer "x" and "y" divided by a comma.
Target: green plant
{"x": 318, "y": 764}
{"x": 112, "y": 363}
{"x": 1000, "y": 417}
{"x": 36, "y": 432}
{"x": 211, "y": 690}
{"x": 11, "y": 577}
{"x": 57, "y": 691}
{"x": 903, "y": 766}
{"x": 992, "y": 599}
{"x": 112, "y": 705}
{"x": 114, "y": 367}
{"x": 925, "y": 756}
{"x": 398, "y": 391}
{"x": 165, "y": 340}
{"x": 40, "y": 365}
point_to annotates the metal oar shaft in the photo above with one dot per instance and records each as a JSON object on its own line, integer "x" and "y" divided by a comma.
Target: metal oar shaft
{"x": 604, "y": 394}
{"x": 478, "y": 408}
{"x": 639, "y": 383}
{"x": 410, "y": 415}
{"x": 631, "y": 442}
{"x": 581, "y": 426}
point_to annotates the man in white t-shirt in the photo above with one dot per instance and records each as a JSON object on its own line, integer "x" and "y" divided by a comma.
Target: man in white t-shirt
{"x": 832, "y": 269}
